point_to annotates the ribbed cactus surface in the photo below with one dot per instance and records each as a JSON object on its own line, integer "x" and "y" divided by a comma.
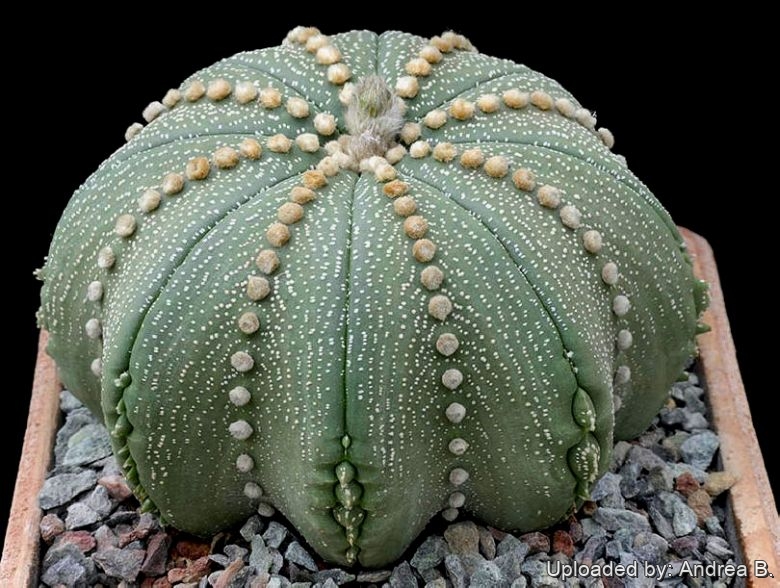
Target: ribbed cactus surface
{"x": 365, "y": 279}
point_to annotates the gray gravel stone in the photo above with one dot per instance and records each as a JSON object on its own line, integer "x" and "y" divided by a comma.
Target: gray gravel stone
{"x": 487, "y": 543}
{"x": 253, "y": 526}
{"x": 298, "y": 555}
{"x": 68, "y": 402}
{"x": 645, "y": 458}
{"x": 592, "y": 550}
{"x": 488, "y": 575}
{"x": 278, "y": 582}
{"x": 437, "y": 583}
{"x": 619, "y": 453}
{"x": 613, "y": 519}
{"x": 274, "y": 535}
{"x": 89, "y": 444}
{"x": 260, "y": 557}
{"x": 520, "y": 582}
{"x": 512, "y": 545}
{"x": 79, "y": 516}
{"x": 684, "y": 519}
{"x": 373, "y": 576}
{"x": 431, "y": 553}
{"x": 300, "y": 585}
{"x": 695, "y": 421}
{"x": 699, "y": 449}
{"x": 74, "y": 420}
{"x": 455, "y": 571}
{"x": 719, "y": 547}
{"x": 338, "y": 576}
{"x": 403, "y": 576}
{"x": 59, "y": 489}
{"x": 606, "y": 491}
{"x": 591, "y": 528}
{"x": 65, "y": 564}
{"x": 234, "y": 552}
{"x": 99, "y": 501}
{"x": 510, "y": 566}
{"x": 536, "y": 570}
{"x": 462, "y": 537}
{"x": 124, "y": 564}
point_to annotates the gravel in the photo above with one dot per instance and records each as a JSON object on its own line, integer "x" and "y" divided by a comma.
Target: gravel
{"x": 658, "y": 505}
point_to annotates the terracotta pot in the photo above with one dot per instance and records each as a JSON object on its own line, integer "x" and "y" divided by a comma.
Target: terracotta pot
{"x": 753, "y": 521}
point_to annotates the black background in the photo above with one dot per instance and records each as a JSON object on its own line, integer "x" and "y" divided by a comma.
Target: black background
{"x": 684, "y": 98}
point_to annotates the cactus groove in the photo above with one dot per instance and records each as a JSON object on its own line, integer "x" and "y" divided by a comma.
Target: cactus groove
{"x": 365, "y": 279}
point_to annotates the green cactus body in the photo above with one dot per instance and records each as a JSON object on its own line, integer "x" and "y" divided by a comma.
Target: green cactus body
{"x": 269, "y": 307}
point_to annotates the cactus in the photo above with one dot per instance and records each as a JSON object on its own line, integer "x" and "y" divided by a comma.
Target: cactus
{"x": 365, "y": 279}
